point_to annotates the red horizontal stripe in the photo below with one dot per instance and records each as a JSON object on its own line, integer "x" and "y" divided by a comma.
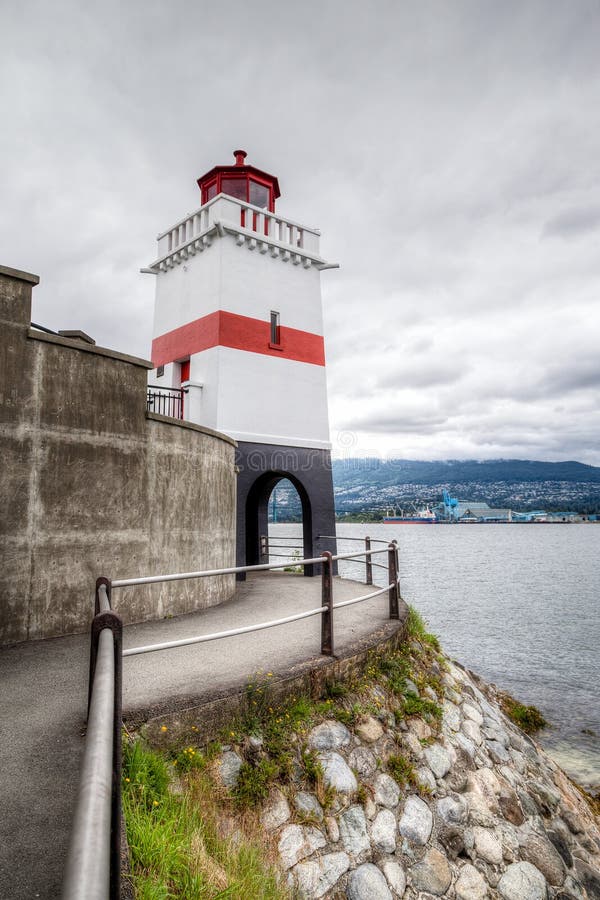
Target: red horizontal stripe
{"x": 225, "y": 329}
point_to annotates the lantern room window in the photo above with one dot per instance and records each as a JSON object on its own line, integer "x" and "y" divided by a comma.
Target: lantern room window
{"x": 258, "y": 194}
{"x": 235, "y": 187}
{"x": 242, "y": 187}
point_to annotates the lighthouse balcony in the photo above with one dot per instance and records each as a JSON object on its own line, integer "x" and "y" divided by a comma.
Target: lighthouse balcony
{"x": 250, "y": 225}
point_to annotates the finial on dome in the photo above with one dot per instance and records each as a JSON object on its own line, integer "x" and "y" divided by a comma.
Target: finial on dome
{"x": 240, "y": 156}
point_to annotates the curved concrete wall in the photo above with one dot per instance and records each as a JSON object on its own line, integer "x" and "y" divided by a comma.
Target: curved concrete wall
{"x": 90, "y": 484}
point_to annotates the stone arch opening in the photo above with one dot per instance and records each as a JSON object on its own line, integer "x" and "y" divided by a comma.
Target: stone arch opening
{"x": 257, "y": 515}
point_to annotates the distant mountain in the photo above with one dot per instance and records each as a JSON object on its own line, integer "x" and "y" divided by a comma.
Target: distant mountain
{"x": 376, "y": 484}
{"x": 459, "y": 471}
{"x": 373, "y": 485}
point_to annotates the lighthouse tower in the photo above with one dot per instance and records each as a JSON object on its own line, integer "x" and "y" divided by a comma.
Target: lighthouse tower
{"x": 238, "y": 326}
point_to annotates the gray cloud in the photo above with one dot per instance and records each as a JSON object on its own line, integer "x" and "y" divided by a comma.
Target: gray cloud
{"x": 398, "y": 422}
{"x": 573, "y": 222}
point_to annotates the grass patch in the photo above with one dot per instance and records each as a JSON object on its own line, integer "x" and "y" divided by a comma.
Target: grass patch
{"x": 314, "y": 775}
{"x": 176, "y": 840}
{"x": 336, "y": 689}
{"x": 427, "y": 709}
{"x": 529, "y": 718}
{"x": 417, "y": 629}
{"x": 188, "y": 759}
{"x": 254, "y": 781}
{"x": 402, "y": 770}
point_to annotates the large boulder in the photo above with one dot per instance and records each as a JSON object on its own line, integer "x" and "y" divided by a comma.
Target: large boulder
{"x": 317, "y": 876}
{"x": 353, "y": 831}
{"x": 297, "y": 842}
{"x": 368, "y": 883}
{"x": 330, "y": 735}
{"x": 432, "y": 874}
{"x": 336, "y": 772}
{"x": 522, "y": 881}
{"x": 416, "y": 822}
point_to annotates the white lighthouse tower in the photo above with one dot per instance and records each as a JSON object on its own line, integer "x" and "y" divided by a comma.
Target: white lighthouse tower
{"x": 238, "y": 325}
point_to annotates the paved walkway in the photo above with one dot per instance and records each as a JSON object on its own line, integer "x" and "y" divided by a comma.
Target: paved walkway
{"x": 43, "y": 700}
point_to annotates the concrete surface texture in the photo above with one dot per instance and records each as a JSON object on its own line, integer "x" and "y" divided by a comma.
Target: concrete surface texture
{"x": 43, "y": 702}
{"x": 92, "y": 484}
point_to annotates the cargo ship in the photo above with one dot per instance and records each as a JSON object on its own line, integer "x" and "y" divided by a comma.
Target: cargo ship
{"x": 420, "y": 517}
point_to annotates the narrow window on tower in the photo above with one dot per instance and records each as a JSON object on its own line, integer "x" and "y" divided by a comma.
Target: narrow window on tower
{"x": 275, "y": 330}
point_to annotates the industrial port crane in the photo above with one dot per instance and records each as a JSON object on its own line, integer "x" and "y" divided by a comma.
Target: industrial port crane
{"x": 450, "y": 507}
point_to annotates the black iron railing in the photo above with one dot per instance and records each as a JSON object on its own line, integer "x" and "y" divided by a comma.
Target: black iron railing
{"x": 165, "y": 401}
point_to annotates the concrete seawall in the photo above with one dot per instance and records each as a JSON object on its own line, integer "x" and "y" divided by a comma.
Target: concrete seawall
{"x": 92, "y": 484}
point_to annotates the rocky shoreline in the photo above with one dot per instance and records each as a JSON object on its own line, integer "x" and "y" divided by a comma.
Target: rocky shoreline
{"x": 464, "y": 806}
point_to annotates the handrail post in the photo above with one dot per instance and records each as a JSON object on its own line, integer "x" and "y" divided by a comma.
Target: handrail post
{"x": 395, "y": 542}
{"x": 393, "y": 582}
{"x": 106, "y": 618}
{"x": 117, "y": 800}
{"x": 101, "y": 582}
{"x": 368, "y": 563}
{"x": 327, "y": 600}
{"x": 264, "y": 546}
{"x": 114, "y": 622}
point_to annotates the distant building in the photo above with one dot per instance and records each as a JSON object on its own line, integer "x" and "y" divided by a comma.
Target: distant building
{"x": 532, "y": 515}
{"x": 567, "y": 517}
{"x": 474, "y": 511}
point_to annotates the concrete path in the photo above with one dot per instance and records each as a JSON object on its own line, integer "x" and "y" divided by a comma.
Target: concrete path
{"x": 43, "y": 700}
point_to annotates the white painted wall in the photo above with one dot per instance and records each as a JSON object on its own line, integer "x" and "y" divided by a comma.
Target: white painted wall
{"x": 233, "y": 278}
{"x": 271, "y": 400}
{"x": 250, "y": 396}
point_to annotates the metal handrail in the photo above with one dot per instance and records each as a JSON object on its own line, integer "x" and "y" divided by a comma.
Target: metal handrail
{"x": 293, "y": 546}
{"x": 286, "y": 546}
{"x": 87, "y": 874}
{"x": 340, "y": 537}
{"x": 233, "y": 570}
{"x": 358, "y": 555}
{"x": 232, "y": 632}
{"x": 327, "y": 559}
{"x": 93, "y": 862}
{"x": 93, "y": 870}
{"x": 364, "y": 597}
{"x": 283, "y": 556}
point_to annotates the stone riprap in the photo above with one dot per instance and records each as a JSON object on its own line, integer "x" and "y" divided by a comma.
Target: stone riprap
{"x": 489, "y": 814}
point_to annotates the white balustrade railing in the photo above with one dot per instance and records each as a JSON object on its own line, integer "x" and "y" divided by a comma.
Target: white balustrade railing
{"x": 195, "y": 231}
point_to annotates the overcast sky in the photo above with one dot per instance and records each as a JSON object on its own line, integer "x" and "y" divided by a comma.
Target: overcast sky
{"x": 449, "y": 152}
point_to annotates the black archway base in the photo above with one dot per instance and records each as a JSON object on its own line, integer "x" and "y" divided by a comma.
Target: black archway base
{"x": 260, "y": 468}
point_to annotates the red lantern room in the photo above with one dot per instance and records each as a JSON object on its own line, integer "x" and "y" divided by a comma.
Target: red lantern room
{"x": 242, "y": 182}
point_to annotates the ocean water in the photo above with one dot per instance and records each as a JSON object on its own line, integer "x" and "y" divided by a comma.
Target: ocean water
{"x": 519, "y": 605}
